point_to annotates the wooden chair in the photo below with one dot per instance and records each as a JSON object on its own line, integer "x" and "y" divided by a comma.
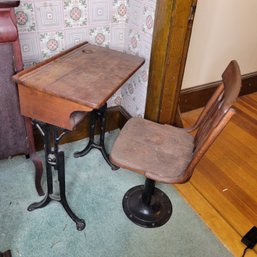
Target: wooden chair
{"x": 168, "y": 154}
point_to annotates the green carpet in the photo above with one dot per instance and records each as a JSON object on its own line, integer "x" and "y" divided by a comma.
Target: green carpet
{"x": 94, "y": 193}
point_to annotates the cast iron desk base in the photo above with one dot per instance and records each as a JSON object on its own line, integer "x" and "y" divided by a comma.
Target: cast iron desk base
{"x": 94, "y": 116}
{"x": 52, "y": 91}
{"x": 55, "y": 159}
{"x": 6, "y": 254}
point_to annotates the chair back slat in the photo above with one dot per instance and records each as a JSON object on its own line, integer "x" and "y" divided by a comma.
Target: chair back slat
{"x": 217, "y": 113}
{"x": 207, "y": 123}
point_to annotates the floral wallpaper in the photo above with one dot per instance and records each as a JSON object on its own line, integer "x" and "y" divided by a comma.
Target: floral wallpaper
{"x": 48, "y": 27}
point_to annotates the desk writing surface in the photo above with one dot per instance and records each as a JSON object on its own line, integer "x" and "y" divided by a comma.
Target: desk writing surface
{"x": 88, "y": 75}
{"x": 79, "y": 79}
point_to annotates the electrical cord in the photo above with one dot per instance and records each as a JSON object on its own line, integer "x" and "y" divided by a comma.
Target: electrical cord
{"x": 246, "y": 248}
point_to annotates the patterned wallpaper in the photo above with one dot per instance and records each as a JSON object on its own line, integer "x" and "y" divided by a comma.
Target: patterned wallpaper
{"x": 48, "y": 27}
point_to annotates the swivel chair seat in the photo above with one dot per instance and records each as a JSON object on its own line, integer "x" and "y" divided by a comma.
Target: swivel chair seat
{"x": 168, "y": 154}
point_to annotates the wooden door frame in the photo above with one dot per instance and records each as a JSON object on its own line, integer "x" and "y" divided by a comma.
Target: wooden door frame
{"x": 172, "y": 30}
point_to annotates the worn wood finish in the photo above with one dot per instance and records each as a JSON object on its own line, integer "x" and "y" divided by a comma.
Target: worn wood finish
{"x": 48, "y": 108}
{"x": 163, "y": 14}
{"x": 81, "y": 79}
{"x": 168, "y": 154}
{"x": 170, "y": 44}
{"x": 88, "y": 75}
{"x": 180, "y": 35}
{"x": 223, "y": 189}
{"x": 196, "y": 97}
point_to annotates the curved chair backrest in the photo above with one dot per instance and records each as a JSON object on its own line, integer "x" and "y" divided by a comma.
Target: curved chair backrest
{"x": 216, "y": 114}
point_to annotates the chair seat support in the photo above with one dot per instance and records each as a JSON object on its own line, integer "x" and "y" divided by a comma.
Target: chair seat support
{"x": 146, "y": 205}
{"x": 55, "y": 159}
{"x": 94, "y": 116}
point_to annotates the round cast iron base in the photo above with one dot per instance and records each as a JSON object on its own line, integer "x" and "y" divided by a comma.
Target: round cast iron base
{"x": 156, "y": 214}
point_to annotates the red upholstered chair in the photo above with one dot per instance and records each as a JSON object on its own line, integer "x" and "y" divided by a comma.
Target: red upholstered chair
{"x": 168, "y": 154}
{"x": 16, "y": 133}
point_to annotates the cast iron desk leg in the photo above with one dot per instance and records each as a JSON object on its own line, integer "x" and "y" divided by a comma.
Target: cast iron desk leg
{"x": 94, "y": 115}
{"x": 34, "y": 157}
{"x": 6, "y": 254}
{"x": 54, "y": 158}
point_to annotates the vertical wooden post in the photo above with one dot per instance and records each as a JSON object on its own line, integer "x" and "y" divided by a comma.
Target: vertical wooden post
{"x": 173, "y": 23}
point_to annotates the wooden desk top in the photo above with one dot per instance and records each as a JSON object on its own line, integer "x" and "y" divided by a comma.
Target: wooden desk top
{"x": 87, "y": 75}
{"x": 82, "y": 78}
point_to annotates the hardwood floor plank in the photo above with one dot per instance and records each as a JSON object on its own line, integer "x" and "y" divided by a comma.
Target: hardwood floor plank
{"x": 223, "y": 189}
{"x": 218, "y": 199}
{"x": 231, "y": 149}
{"x": 231, "y": 191}
{"x": 223, "y": 230}
{"x": 237, "y": 168}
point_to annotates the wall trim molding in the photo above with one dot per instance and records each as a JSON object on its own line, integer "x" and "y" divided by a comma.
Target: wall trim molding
{"x": 196, "y": 97}
{"x": 116, "y": 117}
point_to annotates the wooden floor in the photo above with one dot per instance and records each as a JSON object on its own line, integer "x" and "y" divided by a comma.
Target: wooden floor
{"x": 223, "y": 189}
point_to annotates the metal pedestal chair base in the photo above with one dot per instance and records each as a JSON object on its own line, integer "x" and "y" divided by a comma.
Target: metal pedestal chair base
{"x": 144, "y": 211}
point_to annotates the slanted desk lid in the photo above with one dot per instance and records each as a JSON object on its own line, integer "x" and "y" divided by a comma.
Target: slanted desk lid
{"x": 88, "y": 75}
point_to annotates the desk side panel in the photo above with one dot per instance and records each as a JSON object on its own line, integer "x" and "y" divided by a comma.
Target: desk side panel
{"x": 48, "y": 108}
